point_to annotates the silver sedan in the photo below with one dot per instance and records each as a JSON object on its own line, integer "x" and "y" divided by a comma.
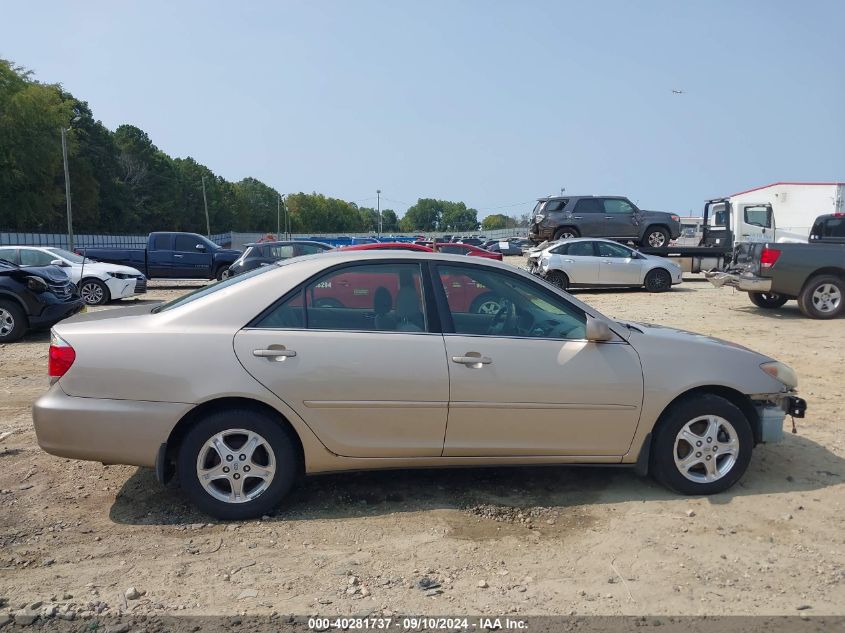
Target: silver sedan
{"x": 357, "y": 360}
{"x": 585, "y": 262}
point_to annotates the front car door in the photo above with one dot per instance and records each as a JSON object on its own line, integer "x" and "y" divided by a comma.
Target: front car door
{"x": 524, "y": 381}
{"x": 757, "y": 223}
{"x": 191, "y": 257}
{"x": 619, "y": 265}
{"x": 353, "y": 352}
{"x": 620, "y": 218}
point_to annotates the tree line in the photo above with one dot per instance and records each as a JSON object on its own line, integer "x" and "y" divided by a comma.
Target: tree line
{"x": 122, "y": 183}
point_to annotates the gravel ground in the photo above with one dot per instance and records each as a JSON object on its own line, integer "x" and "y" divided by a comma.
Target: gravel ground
{"x": 528, "y": 541}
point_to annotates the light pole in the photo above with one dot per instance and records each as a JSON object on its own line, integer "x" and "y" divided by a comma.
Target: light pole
{"x": 67, "y": 182}
{"x": 287, "y": 217}
{"x": 279, "y": 217}
{"x": 378, "y": 208}
{"x": 205, "y": 203}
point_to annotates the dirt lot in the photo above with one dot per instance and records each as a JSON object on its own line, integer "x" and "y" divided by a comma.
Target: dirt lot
{"x": 524, "y": 540}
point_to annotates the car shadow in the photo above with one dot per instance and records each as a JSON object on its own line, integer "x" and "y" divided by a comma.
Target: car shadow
{"x": 789, "y": 311}
{"x": 795, "y": 465}
{"x": 631, "y": 290}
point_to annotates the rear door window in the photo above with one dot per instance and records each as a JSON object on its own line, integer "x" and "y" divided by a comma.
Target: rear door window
{"x": 161, "y": 242}
{"x": 580, "y": 249}
{"x": 589, "y": 205}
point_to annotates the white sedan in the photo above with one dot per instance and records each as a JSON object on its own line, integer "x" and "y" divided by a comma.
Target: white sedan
{"x": 585, "y": 262}
{"x": 98, "y": 282}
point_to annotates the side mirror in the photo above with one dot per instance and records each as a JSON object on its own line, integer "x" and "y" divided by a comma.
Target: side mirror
{"x": 200, "y": 247}
{"x": 598, "y": 330}
{"x": 59, "y": 263}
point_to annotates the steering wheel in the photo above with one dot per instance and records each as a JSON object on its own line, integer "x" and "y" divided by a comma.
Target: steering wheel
{"x": 501, "y": 318}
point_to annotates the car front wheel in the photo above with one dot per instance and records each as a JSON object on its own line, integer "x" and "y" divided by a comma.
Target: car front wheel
{"x": 658, "y": 280}
{"x": 702, "y": 446}
{"x": 13, "y": 322}
{"x": 94, "y": 292}
{"x": 237, "y": 464}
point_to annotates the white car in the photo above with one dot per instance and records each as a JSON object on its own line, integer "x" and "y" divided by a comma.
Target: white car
{"x": 98, "y": 282}
{"x": 587, "y": 262}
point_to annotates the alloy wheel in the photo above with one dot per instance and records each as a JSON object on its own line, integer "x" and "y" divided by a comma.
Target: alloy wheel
{"x": 7, "y": 322}
{"x": 236, "y": 465}
{"x": 706, "y": 449}
{"x": 92, "y": 293}
{"x": 827, "y": 298}
{"x": 656, "y": 239}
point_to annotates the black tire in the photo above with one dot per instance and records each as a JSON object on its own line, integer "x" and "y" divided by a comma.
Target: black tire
{"x": 658, "y": 280}
{"x": 823, "y": 297}
{"x": 566, "y": 232}
{"x": 287, "y": 463}
{"x": 328, "y": 302}
{"x": 558, "y": 278}
{"x": 218, "y": 274}
{"x": 94, "y": 292}
{"x": 13, "y": 321}
{"x": 481, "y": 304}
{"x": 655, "y": 237}
{"x": 663, "y": 448}
{"x": 767, "y": 300}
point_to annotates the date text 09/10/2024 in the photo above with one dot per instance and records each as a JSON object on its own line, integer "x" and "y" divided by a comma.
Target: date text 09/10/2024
{"x": 421, "y": 623}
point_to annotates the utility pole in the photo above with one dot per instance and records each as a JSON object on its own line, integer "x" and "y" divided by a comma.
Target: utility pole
{"x": 67, "y": 192}
{"x": 287, "y": 218}
{"x": 279, "y": 217}
{"x": 378, "y": 207}
{"x": 205, "y": 202}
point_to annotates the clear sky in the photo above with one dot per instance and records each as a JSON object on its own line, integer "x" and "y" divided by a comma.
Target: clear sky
{"x": 492, "y": 103}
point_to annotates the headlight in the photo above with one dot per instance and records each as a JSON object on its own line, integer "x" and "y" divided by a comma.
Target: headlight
{"x": 36, "y": 284}
{"x": 119, "y": 275}
{"x": 781, "y": 372}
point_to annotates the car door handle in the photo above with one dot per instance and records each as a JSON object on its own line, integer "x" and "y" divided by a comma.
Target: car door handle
{"x": 569, "y": 261}
{"x": 472, "y": 360}
{"x": 273, "y": 353}
{"x": 608, "y": 217}
{"x": 177, "y": 255}
{"x": 577, "y": 217}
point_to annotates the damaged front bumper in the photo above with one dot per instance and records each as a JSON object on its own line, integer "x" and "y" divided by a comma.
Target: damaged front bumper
{"x": 743, "y": 281}
{"x": 772, "y": 409}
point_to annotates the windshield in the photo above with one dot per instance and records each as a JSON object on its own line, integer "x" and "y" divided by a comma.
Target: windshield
{"x": 73, "y": 258}
{"x": 209, "y": 289}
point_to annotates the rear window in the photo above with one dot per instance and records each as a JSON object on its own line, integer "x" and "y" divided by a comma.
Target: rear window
{"x": 829, "y": 228}
{"x": 199, "y": 293}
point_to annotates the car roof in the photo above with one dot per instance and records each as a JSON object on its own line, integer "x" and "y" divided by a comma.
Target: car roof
{"x": 285, "y": 243}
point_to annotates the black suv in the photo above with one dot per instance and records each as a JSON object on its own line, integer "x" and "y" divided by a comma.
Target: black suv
{"x": 612, "y": 217}
{"x": 829, "y": 228}
{"x": 34, "y": 298}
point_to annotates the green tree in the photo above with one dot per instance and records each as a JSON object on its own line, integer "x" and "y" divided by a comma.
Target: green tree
{"x": 429, "y": 214}
{"x": 389, "y": 221}
{"x": 495, "y": 221}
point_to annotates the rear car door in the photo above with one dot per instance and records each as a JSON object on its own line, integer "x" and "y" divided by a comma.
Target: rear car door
{"x": 619, "y": 218}
{"x": 578, "y": 260}
{"x": 160, "y": 255}
{"x": 191, "y": 257}
{"x": 588, "y": 216}
{"x": 524, "y": 381}
{"x": 619, "y": 265}
{"x": 354, "y": 354}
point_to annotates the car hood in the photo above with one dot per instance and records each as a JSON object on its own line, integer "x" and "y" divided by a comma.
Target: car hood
{"x": 103, "y": 267}
{"x": 669, "y": 336}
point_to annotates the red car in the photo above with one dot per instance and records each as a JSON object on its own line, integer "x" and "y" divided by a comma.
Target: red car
{"x": 462, "y": 249}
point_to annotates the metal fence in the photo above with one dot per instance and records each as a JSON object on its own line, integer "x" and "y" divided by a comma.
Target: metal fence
{"x": 231, "y": 239}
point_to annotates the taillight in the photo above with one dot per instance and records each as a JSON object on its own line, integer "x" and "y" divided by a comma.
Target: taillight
{"x": 769, "y": 257}
{"x": 61, "y": 356}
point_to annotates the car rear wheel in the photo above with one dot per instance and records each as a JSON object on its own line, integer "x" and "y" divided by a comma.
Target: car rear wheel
{"x": 655, "y": 237}
{"x": 218, "y": 274}
{"x": 822, "y": 297}
{"x": 768, "y": 300}
{"x": 94, "y": 292}
{"x": 558, "y": 278}
{"x": 702, "y": 446}
{"x": 13, "y": 323}
{"x": 658, "y": 280}
{"x": 237, "y": 464}
{"x": 566, "y": 233}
